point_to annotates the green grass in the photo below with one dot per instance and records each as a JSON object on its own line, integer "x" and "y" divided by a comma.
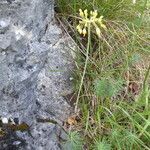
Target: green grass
{"x": 115, "y": 82}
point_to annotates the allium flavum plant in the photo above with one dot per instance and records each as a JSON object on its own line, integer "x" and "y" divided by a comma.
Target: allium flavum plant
{"x": 90, "y": 20}
{"x": 86, "y": 23}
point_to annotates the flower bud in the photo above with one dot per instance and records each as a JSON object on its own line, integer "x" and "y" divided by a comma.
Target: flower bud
{"x": 85, "y": 13}
{"x": 103, "y": 26}
{"x": 95, "y": 13}
{"x": 81, "y": 13}
{"x": 84, "y": 32}
{"x": 98, "y": 31}
{"x": 79, "y": 29}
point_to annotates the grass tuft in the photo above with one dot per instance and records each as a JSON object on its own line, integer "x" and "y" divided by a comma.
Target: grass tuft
{"x": 112, "y": 77}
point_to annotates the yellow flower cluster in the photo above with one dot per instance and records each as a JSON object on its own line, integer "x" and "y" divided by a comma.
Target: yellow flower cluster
{"x": 92, "y": 20}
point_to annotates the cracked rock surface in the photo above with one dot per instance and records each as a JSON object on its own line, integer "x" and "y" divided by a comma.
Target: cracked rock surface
{"x": 35, "y": 67}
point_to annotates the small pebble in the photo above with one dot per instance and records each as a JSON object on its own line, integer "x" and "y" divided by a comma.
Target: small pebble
{"x": 16, "y": 142}
{"x": 4, "y": 120}
{"x": 71, "y": 78}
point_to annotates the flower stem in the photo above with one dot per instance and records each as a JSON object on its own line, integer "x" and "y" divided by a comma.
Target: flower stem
{"x": 85, "y": 67}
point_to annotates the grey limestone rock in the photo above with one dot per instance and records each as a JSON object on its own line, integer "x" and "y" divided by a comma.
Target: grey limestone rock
{"x": 35, "y": 67}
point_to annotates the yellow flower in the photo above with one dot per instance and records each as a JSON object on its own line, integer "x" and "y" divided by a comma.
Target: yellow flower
{"x": 100, "y": 19}
{"x": 85, "y": 13}
{"x": 86, "y": 24}
{"x": 94, "y": 14}
{"x": 91, "y": 20}
{"x": 81, "y": 13}
{"x": 103, "y": 26}
{"x": 98, "y": 31}
{"x": 84, "y": 32}
{"x": 79, "y": 29}
{"x": 100, "y": 22}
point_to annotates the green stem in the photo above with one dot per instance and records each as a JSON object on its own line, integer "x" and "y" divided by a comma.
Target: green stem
{"x": 85, "y": 67}
{"x": 146, "y": 78}
{"x": 146, "y": 88}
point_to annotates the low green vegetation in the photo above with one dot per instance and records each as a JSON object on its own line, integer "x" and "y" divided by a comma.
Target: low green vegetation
{"x": 112, "y": 74}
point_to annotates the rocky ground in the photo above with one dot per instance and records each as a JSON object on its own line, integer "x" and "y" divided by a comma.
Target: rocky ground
{"x": 35, "y": 71}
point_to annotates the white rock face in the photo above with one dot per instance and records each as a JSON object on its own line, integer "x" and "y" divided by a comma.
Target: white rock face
{"x": 35, "y": 68}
